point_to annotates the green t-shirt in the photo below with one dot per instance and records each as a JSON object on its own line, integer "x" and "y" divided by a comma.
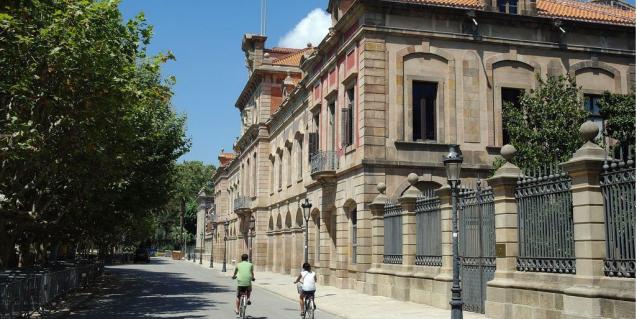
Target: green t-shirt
{"x": 244, "y": 274}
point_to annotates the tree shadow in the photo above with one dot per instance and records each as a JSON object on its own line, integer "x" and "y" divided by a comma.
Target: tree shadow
{"x": 135, "y": 293}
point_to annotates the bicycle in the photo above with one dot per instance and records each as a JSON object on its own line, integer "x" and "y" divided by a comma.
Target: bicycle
{"x": 243, "y": 304}
{"x": 309, "y": 305}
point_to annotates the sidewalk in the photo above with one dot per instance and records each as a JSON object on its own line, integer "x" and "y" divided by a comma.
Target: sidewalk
{"x": 346, "y": 303}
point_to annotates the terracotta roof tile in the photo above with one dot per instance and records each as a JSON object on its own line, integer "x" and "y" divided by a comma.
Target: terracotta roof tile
{"x": 292, "y": 58}
{"x": 565, "y": 9}
{"x": 585, "y": 11}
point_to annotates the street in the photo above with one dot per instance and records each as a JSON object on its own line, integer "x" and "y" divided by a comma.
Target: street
{"x": 169, "y": 289}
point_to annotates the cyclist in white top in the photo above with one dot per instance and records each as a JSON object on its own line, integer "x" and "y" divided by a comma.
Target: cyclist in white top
{"x": 307, "y": 278}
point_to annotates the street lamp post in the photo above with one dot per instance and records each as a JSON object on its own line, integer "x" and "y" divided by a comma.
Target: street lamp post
{"x": 212, "y": 241}
{"x": 306, "y": 205}
{"x": 203, "y": 232}
{"x": 453, "y": 165}
{"x": 251, "y": 234}
{"x": 225, "y": 244}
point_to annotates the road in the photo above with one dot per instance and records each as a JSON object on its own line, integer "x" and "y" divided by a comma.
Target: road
{"x": 168, "y": 289}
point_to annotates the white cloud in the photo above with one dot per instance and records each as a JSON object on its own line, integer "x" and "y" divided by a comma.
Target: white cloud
{"x": 312, "y": 28}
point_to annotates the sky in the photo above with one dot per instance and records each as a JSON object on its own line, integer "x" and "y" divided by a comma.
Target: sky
{"x": 205, "y": 36}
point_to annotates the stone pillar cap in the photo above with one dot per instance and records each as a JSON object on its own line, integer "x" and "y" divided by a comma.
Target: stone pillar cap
{"x": 589, "y": 151}
{"x": 509, "y": 169}
{"x": 412, "y": 191}
{"x": 381, "y": 198}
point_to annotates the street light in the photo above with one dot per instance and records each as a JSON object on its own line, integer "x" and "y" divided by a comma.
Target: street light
{"x": 453, "y": 165}
{"x": 306, "y": 215}
{"x": 203, "y": 231}
{"x": 225, "y": 244}
{"x": 252, "y": 226}
{"x": 212, "y": 241}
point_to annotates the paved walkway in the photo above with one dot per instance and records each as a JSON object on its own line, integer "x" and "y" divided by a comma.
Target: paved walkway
{"x": 347, "y": 303}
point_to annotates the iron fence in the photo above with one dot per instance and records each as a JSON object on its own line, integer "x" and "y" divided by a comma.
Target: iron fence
{"x": 393, "y": 234}
{"x": 428, "y": 232}
{"x": 22, "y": 292}
{"x": 323, "y": 161}
{"x": 545, "y": 216}
{"x": 618, "y": 188}
{"x": 477, "y": 244}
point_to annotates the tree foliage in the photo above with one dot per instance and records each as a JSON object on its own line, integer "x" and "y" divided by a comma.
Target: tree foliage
{"x": 191, "y": 177}
{"x": 544, "y": 128}
{"x": 618, "y": 112}
{"x": 89, "y": 138}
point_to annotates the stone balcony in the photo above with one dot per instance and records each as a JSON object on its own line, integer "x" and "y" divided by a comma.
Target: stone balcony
{"x": 242, "y": 205}
{"x": 323, "y": 166}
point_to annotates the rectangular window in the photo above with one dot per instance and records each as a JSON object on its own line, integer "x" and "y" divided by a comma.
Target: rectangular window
{"x": 299, "y": 161}
{"x": 331, "y": 126}
{"x": 288, "y": 163}
{"x": 508, "y": 6}
{"x": 348, "y": 119}
{"x": 272, "y": 182}
{"x": 512, "y": 96}
{"x": 424, "y": 96}
{"x": 354, "y": 235}
{"x": 280, "y": 170}
{"x": 313, "y": 137}
{"x": 254, "y": 175}
{"x": 591, "y": 104}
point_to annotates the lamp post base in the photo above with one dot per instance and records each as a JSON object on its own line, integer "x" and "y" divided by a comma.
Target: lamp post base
{"x": 223, "y": 267}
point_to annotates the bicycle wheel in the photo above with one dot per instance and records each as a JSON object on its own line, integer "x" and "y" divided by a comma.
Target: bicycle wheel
{"x": 309, "y": 309}
{"x": 242, "y": 307}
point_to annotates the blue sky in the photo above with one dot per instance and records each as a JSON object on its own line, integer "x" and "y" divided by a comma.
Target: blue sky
{"x": 205, "y": 36}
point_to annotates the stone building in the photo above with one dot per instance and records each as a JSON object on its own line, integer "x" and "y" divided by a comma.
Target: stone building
{"x": 385, "y": 93}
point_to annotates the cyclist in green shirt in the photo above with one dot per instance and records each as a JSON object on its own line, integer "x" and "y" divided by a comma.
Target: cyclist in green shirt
{"x": 244, "y": 273}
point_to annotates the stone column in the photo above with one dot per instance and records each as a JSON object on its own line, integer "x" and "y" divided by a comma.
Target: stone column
{"x": 408, "y": 203}
{"x": 377, "y": 208}
{"x": 498, "y": 299}
{"x": 588, "y": 221}
{"x": 444, "y": 194}
{"x": 588, "y": 204}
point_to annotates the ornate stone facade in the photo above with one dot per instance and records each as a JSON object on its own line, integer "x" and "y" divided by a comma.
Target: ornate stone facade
{"x": 383, "y": 95}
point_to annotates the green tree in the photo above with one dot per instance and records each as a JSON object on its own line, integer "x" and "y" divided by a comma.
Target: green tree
{"x": 89, "y": 138}
{"x": 191, "y": 177}
{"x": 544, "y": 128}
{"x": 618, "y": 112}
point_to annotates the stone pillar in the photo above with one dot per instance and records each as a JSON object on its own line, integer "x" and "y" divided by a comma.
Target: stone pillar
{"x": 588, "y": 204}
{"x": 408, "y": 203}
{"x": 498, "y": 299}
{"x": 588, "y": 221}
{"x": 377, "y": 208}
{"x": 444, "y": 194}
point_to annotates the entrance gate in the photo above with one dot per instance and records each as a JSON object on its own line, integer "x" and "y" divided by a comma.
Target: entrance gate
{"x": 477, "y": 245}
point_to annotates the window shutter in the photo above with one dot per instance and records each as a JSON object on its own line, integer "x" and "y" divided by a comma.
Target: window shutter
{"x": 344, "y": 126}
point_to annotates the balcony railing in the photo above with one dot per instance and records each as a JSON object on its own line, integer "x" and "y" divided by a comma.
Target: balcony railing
{"x": 242, "y": 203}
{"x": 324, "y": 161}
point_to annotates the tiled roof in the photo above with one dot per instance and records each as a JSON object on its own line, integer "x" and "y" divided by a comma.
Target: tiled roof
{"x": 564, "y": 9}
{"x": 585, "y": 11}
{"x": 293, "y": 58}
{"x": 469, "y": 4}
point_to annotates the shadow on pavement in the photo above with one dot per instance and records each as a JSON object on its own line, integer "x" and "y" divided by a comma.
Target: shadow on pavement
{"x": 137, "y": 293}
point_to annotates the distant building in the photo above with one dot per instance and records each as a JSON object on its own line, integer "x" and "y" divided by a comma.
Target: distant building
{"x": 383, "y": 95}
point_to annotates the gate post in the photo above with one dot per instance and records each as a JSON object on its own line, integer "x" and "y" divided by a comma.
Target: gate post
{"x": 377, "y": 208}
{"x": 408, "y": 203}
{"x": 444, "y": 194}
{"x": 498, "y": 301}
{"x": 588, "y": 221}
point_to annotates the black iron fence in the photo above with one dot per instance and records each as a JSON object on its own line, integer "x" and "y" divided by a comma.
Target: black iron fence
{"x": 618, "y": 188}
{"x": 24, "y": 292}
{"x": 428, "y": 232}
{"x": 545, "y": 216}
{"x": 393, "y": 236}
